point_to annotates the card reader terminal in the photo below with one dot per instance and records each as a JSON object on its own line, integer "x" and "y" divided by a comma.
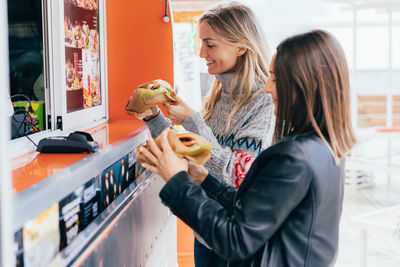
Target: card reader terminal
{"x": 76, "y": 142}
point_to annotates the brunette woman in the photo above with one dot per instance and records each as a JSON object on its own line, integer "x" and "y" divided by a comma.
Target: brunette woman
{"x": 287, "y": 210}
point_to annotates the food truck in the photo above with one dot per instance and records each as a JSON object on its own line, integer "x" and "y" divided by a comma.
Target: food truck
{"x": 70, "y": 66}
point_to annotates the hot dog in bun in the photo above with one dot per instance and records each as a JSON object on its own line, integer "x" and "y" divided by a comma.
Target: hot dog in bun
{"x": 149, "y": 95}
{"x": 188, "y": 145}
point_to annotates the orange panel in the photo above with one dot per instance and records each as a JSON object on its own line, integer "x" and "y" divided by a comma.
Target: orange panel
{"x": 185, "y": 245}
{"x": 40, "y": 167}
{"x": 140, "y": 49}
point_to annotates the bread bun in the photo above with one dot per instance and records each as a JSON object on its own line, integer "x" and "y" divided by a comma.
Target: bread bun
{"x": 149, "y": 95}
{"x": 187, "y": 145}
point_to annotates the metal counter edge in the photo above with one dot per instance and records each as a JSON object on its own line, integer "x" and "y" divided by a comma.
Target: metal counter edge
{"x": 34, "y": 200}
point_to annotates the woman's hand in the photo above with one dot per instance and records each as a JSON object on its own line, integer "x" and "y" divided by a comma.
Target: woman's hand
{"x": 178, "y": 111}
{"x": 154, "y": 112}
{"x": 162, "y": 161}
{"x": 197, "y": 172}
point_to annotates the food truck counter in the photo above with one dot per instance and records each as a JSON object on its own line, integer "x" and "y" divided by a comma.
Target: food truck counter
{"x": 31, "y": 168}
{"x": 91, "y": 209}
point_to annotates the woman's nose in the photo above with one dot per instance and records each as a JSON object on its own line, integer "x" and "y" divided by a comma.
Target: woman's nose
{"x": 202, "y": 52}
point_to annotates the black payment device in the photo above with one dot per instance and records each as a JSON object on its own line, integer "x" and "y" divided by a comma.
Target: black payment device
{"x": 76, "y": 142}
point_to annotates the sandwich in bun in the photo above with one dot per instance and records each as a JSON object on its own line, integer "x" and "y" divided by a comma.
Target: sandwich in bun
{"x": 187, "y": 145}
{"x": 149, "y": 95}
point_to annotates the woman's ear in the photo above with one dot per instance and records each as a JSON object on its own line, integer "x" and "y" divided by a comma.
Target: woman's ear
{"x": 241, "y": 51}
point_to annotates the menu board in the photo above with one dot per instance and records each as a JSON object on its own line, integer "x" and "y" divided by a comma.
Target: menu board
{"x": 71, "y": 220}
{"x": 114, "y": 180}
{"x": 91, "y": 200}
{"x": 82, "y": 54}
{"x": 78, "y": 209}
{"x": 41, "y": 238}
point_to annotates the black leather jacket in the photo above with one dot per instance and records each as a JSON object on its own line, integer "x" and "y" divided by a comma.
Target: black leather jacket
{"x": 285, "y": 213}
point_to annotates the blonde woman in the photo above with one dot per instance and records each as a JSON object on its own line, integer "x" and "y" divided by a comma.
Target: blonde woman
{"x": 287, "y": 211}
{"x": 238, "y": 115}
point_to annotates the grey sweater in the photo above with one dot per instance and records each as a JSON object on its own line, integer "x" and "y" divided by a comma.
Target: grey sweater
{"x": 235, "y": 148}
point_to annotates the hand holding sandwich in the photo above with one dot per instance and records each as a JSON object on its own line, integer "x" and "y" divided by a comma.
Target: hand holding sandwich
{"x": 165, "y": 154}
{"x": 178, "y": 111}
{"x": 166, "y": 163}
{"x": 143, "y": 102}
{"x": 162, "y": 161}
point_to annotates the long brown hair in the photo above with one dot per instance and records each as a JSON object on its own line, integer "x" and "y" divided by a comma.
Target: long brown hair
{"x": 236, "y": 24}
{"x": 313, "y": 90}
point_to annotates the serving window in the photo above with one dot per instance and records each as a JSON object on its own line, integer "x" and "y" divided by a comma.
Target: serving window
{"x": 57, "y": 60}
{"x": 26, "y": 43}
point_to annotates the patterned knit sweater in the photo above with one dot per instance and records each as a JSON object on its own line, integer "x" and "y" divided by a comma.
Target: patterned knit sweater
{"x": 235, "y": 148}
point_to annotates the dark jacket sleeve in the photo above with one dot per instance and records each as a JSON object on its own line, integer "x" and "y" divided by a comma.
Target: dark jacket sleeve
{"x": 274, "y": 186}
{"x": 220, "y": 191}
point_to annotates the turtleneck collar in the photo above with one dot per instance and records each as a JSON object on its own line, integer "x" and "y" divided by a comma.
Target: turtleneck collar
{"x": 225, "y": 79}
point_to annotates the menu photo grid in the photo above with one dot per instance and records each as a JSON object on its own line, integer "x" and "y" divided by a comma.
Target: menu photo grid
{"x": 82, "y": 54}
{"x": 41, "y": 238}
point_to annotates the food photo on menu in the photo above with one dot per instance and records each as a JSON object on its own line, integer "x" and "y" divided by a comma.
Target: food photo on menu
{"x": 124, "y": 173}
{"x": 79, "y": 34}
{"x": 87, "y": 4}
{"x": 41, "y": 238}
{"x": 91, "y": 200}
{"x": 82, "y": 66}
{"x": 71, "y": 217}
{"x": 111, "y": 184}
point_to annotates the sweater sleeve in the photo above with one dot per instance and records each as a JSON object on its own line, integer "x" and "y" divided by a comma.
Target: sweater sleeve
{"x": 157, "y": 124}
{"x": 232, "y": 165}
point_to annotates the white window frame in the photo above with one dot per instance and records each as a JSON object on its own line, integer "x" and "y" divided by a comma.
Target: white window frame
{"x": 83, "y": 117}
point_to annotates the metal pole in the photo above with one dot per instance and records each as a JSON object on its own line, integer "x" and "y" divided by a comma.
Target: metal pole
{"x": 7, "y": 256}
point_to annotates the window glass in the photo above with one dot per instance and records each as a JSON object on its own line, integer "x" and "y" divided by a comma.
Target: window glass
{"x": 395, "y": 47}
{"x": 396, "y": 16}
{"x": 26, "y": 66}
{"x": 371, "y": 15}
{"x": 372, "y": 47}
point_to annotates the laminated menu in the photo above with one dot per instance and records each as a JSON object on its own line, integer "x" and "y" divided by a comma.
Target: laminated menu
{"x": 41, "y": 238}
{"x": 71, "y": 217}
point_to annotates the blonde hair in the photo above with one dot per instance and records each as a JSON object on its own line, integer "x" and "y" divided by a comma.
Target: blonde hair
{"x": 313, "y": 89}
{"x": 237, "y": 25}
